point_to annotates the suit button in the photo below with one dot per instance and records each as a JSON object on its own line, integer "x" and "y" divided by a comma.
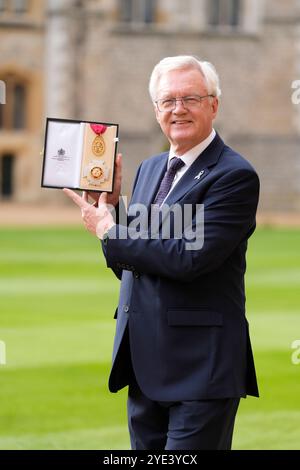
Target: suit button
{"x": 126, "y": 308}
{"x": 136, "y": 275}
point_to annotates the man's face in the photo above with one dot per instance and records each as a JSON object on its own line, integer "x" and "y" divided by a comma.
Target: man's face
{"x": 183, "y": 127}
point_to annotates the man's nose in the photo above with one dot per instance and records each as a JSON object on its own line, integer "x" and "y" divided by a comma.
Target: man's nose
{"x": 179, "y": 106}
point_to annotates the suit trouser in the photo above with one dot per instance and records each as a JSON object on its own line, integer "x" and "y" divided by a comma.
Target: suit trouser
{"x": 195, "y": 425}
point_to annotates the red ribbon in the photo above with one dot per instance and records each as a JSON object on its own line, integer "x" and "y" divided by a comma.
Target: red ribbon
{"x": 98, "y": 128}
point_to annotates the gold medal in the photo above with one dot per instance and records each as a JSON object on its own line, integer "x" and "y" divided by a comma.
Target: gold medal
{"x": 98, "y": 146}
{"x": 96, "y": 172}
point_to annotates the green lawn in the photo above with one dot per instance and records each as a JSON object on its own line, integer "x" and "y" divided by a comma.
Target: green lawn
{"x": 57, "y": 301}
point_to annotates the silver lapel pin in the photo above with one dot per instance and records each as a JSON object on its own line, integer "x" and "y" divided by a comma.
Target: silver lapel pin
{"x": 199, "y": 175}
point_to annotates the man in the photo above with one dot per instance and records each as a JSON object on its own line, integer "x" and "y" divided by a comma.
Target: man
{"x": 182, "y": 342}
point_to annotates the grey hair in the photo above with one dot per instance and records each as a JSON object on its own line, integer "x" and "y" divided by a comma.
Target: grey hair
{"x": 183, "y": 62}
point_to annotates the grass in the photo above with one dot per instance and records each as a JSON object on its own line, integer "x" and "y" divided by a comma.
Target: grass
{"x": 57, "y": 301}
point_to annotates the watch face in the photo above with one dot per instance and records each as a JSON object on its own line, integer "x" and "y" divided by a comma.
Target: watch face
{"x": 105, "y": 238}
{"x": 96, "y": 172}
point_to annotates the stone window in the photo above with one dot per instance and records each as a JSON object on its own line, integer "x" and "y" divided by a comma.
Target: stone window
{"x": 224, "y": 13}
{"x": 2, "y": 92}
{"x": 6, "y": 175}
{"x": 137, "y": 11}
{"x": 20, "y": 6}
{"x": 14, "y": 6}
{"x": 13, "y": 113}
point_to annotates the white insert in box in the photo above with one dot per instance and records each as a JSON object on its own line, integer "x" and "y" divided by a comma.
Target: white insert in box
{"x": 63, "y": 154}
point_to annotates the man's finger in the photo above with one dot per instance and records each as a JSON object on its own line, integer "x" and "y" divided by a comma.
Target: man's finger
{"x": 118, "y": 165}
{"x": 119, "y": 160}
{"x": 102, "y": 199}
{"x": 84, "y": 196}
{"x": 76, "y": 198}
{"x": 118, "y": 173}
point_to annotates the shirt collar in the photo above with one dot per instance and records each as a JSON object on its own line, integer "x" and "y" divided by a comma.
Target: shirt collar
{"x": 190, "y": 156}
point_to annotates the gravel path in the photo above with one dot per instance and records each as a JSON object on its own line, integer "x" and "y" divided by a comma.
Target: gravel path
{"x": 13, "y": 214}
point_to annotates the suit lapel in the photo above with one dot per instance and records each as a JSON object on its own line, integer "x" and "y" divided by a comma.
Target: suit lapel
{"x": 197, "y": 171}
{"x": 152, "y": 180}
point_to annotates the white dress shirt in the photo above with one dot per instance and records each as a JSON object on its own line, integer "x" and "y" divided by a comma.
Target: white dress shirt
{"x": 189, "y": 157}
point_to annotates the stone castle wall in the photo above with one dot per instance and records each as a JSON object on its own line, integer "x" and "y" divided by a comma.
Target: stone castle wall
{"x": 93, "y": 67}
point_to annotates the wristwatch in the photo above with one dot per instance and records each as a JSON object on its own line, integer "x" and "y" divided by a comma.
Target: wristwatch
{"x": 105, "y": 237}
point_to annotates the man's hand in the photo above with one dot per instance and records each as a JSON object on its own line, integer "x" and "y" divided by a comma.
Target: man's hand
{"x": 97, "y": 220}
{"x": 112, "y": 198}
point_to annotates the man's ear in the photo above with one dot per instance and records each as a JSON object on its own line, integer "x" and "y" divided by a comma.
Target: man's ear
{"x": 215, "y": 106}
{"x": 157, "y": 113}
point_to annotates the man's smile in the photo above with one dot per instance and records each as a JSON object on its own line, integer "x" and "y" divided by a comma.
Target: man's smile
{"x": 181, "y": 122}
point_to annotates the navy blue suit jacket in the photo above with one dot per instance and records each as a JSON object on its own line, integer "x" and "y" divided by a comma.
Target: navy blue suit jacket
{"x": 181, "y": 324}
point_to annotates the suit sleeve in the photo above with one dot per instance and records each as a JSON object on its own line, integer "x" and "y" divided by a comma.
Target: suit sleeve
{"x": 120, "y": 214}
{"x": 229, "y": 217}
{"x": 119, "y": 209}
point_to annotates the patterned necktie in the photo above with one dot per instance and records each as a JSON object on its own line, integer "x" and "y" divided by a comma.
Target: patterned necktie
{"x": 166, "y": 183}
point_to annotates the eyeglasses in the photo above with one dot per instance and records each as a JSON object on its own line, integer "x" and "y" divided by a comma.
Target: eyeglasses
{"x": 188, "y": 102}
